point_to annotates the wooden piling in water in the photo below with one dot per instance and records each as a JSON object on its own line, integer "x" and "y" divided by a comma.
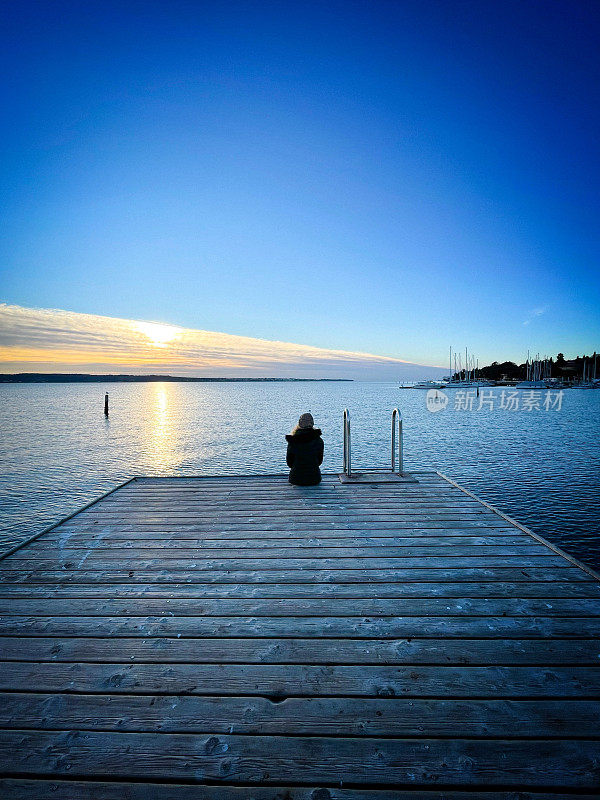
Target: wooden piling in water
{"x": 106, "y": 404}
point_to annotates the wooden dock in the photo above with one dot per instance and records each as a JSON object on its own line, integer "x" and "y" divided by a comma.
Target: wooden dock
{"x": 238, "y": 638}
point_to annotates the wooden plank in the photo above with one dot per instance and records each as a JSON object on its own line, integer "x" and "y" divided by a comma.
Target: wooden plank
{"x": 124, "y": 532}
{"x": 178, "y": 553}
{"x": 235, "y": 505}
{"x": 252, "y": 525}
{"x": 279, "y": 491}
{"x": 330, "y": 479}
{"x": 37, "y": 789}
{"x": 488, "y": 527}
{"x": 304, "y": 627}
{"x": 199, "y": 561}
{"x": 298, "y": 680}
{"x": 271, "y": 500}
{"x": 185, "y": 485}
{"x": 304, "y": 513}
{"x": 342, "y": 491}
{"x": 323, "y": 501}
{"x": 169, "y": 576}
{"x": 300, "y": 512}
{"x": 496, "y": 589}
{"x": 290, "y": 521}
{"x": 336, "y": 501}
{"x": 324, "y": 496}
{"x": 288, "y": 526}
{"x": 283, "y": 521}
{"x": 116, "y": 541}
{"x": 226, "y": 607}
{"x": 321, "y": 716}
{"x": 265, "y": 565}
{"x": 276, "y": 493}
{"x": 336, "y": 508}
{"x": 199, "y": 511}
{"x": 258, "y": 759}
{"x": 330, "y": 482}
{"x": 442, "y": 651}
{"x": 167, "y": 555}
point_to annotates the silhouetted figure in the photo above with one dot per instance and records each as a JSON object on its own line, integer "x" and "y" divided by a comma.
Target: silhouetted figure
{"x": 305, "y": 452}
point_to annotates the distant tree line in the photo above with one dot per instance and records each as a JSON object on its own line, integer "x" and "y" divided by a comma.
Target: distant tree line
{"x": 559, "y": 368}
{"x": 59, "y": 377}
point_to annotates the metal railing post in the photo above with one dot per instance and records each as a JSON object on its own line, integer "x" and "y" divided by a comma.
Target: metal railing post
{"x": 347, "y": 446}
{"x": 396, "y": 413}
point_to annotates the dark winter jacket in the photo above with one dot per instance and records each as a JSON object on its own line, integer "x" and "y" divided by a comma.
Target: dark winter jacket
{"x": 304, "y": 456}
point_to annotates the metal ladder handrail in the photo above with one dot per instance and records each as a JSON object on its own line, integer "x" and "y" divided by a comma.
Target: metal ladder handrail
{"x": 347, "y": 450}
{"x": 396, "y": 414}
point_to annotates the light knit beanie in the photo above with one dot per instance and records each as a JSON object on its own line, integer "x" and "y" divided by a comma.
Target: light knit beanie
{"x": 306, "y": 421}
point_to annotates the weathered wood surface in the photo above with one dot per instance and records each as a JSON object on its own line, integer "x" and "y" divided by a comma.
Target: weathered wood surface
{"x": 308, "y": 716}
{"x": 287, "y": 591}
{"x": 32, "y": 789}
{"x": 306, "y": 651}
{"x": 281, "y": 607}
{"x": 240, "y": 638}
{"x": 289, "y": 627}
{"x": 166, "y": 576}
{"x": 235, "y": 758}
{"x": 277, "y": 681}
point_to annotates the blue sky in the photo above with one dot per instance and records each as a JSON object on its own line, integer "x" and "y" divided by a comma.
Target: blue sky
{"x": 389, "y": 178}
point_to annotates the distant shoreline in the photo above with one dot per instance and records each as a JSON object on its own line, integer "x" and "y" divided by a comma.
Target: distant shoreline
{"x": 56, "y": 377}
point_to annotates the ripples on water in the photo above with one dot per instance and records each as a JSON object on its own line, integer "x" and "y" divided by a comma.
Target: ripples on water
{"x": 58, "y": 451}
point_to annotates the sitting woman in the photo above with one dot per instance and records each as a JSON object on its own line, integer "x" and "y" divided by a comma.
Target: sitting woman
{"x": 305, "y": 452}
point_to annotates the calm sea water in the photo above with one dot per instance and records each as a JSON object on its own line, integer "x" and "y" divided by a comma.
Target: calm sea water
{"x": 58, "y": 451}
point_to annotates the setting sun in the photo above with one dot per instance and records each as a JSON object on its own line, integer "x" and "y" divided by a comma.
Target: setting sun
{"x": 158, "y": 334}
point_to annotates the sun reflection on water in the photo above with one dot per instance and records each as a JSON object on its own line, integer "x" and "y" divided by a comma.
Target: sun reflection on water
{"x": 162, "y": 448}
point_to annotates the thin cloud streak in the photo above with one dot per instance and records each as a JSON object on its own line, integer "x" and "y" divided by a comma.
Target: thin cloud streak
{"x": 536, "y": 312}
{"x": 49, "y": 340}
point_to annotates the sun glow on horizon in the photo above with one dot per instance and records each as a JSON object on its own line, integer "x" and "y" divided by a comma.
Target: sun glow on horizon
{"x": 45, "y": 340}
{"x": 158, "y": 334}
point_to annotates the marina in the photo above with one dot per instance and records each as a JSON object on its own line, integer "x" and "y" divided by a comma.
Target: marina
{"x": 202, "y": 637}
